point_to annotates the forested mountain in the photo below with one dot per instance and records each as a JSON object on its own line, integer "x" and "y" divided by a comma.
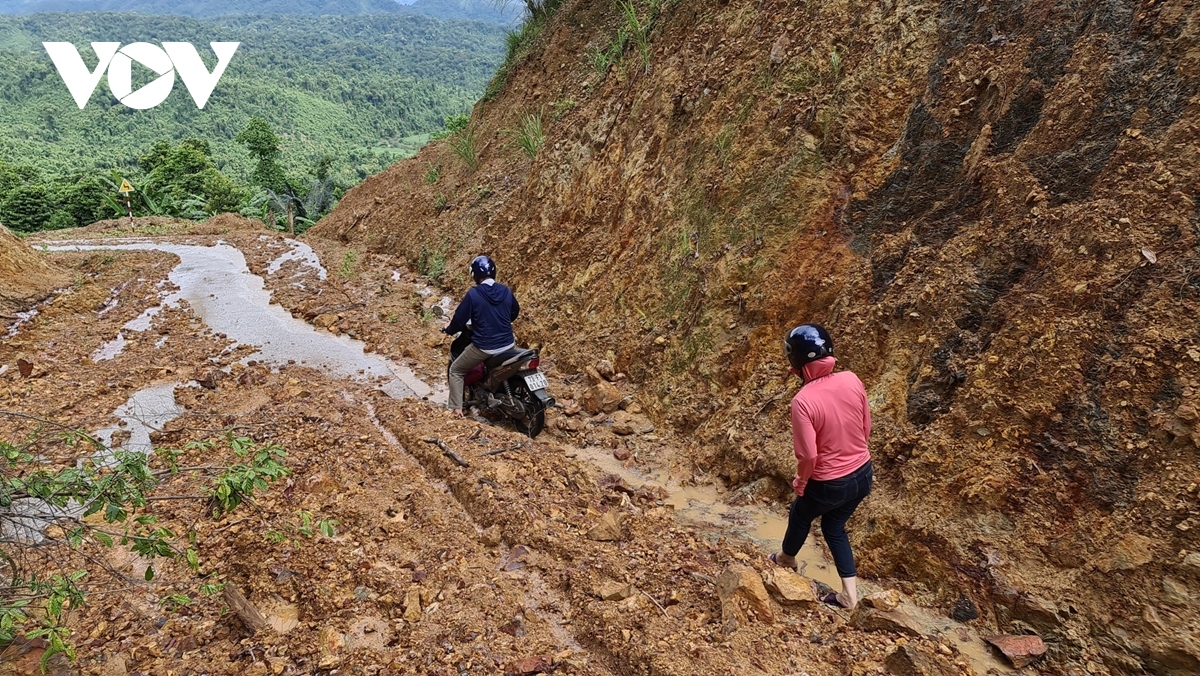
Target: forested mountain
{"x": 360, "y": 90}
{"x": 205, "y": 8}
{"x": 493, "y": 11}
{"x": 477, "y": 10}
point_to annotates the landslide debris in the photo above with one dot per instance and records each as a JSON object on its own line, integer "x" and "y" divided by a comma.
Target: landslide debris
{"x": 432, "y": 567}
{"x": 25, "y": 274}
{"x": 993, "y": 206}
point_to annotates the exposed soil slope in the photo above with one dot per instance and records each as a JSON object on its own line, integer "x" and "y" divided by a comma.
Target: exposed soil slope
{"x": 24, "y": 274}
{"x": 993, "y": 207}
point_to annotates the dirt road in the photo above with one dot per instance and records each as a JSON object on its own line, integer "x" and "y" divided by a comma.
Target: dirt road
{"x": 594, "y": 549}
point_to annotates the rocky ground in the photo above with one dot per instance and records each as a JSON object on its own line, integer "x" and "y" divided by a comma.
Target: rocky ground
{"x": 503, "y": 555}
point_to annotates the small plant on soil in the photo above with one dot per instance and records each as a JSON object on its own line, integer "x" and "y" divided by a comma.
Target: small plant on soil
{"x": 465, "y": 145}
{"x": 432, "y": 261}
{"x": 562, "y": 107}
{"x": 835, "y": 65}
{"x": 349, "y": 264}
{"x": 432, "y": 172}
{"x": 530, "y": 136}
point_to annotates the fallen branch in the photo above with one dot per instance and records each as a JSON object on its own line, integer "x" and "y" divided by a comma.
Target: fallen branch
{"x": 246, "y": 612}
{"x": 498, "y": 451}
{"x": 446, "y": 451}
{"x": 655, "y": 601}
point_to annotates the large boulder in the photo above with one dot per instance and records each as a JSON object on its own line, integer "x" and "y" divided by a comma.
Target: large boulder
{"x": 603, "y": 397}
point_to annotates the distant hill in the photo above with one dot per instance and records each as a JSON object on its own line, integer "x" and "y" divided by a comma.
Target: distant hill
{"x": 363, "y": 90}
{"x": 205, "y": 8}
{"x": 476, "y": 10}
{"x": 506, "y": 14}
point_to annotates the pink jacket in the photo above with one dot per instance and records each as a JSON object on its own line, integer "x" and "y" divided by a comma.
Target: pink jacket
{"x": 831, "y": 423}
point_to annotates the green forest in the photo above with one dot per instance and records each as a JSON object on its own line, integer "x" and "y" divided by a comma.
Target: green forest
{"x": 344, "y": 96}
{"x": 506, "y": 13}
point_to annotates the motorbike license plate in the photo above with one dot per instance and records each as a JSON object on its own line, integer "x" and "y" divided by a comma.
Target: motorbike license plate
{"x": 535, "y": 381}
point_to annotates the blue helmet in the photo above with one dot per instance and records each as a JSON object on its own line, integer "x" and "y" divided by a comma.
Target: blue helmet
{"x": 482, "y": 268}
{"x": 807, "y": 343}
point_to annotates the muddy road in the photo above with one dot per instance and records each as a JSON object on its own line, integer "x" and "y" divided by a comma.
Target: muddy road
{"x": 594, "y": 549}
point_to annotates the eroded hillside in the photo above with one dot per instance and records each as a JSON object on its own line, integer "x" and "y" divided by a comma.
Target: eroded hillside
{"x": 993, "y": 207}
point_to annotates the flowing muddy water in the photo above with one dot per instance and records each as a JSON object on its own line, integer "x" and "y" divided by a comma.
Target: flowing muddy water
{"x": 704, "y": 505}
{"x": 219, "y": 287}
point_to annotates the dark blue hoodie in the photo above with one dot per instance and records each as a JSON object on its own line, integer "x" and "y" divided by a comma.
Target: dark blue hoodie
{"x": 491, "y": 309}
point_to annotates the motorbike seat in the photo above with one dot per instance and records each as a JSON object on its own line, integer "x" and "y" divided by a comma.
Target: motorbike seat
{"x": 512, "y": 356}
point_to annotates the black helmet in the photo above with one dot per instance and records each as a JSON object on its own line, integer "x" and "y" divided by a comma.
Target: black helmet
{"x": 482, "y": 268}
{"x": 807, "y": 343}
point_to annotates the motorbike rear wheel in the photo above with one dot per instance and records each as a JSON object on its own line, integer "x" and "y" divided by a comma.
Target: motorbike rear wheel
{"x": 535, "y": 421}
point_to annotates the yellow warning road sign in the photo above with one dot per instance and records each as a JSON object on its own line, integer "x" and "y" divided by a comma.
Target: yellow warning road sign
{"x": 125, "y": 187}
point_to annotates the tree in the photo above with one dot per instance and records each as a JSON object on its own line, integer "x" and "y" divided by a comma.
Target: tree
{"x": 223, "y": 195}
{"x": 81, "y": 197}
{"x": 26, "y": 209}
{"x": 263, "y": 144}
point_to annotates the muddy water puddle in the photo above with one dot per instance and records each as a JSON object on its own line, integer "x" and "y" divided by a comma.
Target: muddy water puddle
{"x": 145, "y": 412}
{"x": 217, "y": 284}
{"x": 703, "y": 505}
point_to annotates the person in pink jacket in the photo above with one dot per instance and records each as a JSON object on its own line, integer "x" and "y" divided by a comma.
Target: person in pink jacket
{"x": 831, "y": 423}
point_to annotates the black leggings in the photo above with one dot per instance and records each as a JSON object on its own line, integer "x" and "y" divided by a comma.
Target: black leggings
{"x": 834, "y": 501}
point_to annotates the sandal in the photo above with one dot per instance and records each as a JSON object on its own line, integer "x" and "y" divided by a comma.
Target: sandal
{"x": 832, "y": 599}
{"x": 776, "y": 562}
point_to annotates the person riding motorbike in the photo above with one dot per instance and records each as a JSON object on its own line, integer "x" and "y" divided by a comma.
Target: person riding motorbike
{"x": 490, "y": 308}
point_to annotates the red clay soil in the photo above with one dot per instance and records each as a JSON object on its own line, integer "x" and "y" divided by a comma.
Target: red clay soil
{"x": 992, "y": 207}
{"x": 25, "y": 275}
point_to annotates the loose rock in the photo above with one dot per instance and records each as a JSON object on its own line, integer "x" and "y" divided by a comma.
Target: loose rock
{"x": 530, "y": 665}
{"x": 964, "y": 610}
{"x": 896, "y": 621}
{"x": 1176, "y": 593}
{"x": 611, "y": 590}
{"x": 884, "y": 600}
{"x": 603, "y": 397}
{"x": 743, "y": 597}
{"x": 607, "y": 530}
{"x": 791, "y": 588}
{"x": 908, "y": 660}
{"x": 412, "y": 605}
{"x": 605, "y": 368}
{"x": 1130, "y": 552}
{"x": 1020, "y": 650}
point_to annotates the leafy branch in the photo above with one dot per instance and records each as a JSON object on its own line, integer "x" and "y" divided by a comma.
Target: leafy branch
{"x": 61, "y": 487}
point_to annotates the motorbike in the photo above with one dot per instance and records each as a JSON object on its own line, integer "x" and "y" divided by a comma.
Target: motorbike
{"x": 508, "y": 383}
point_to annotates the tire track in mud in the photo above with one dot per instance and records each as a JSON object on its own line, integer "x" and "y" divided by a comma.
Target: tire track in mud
{"x": 540, "y": 498}
{"x": 545, "y": 602}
